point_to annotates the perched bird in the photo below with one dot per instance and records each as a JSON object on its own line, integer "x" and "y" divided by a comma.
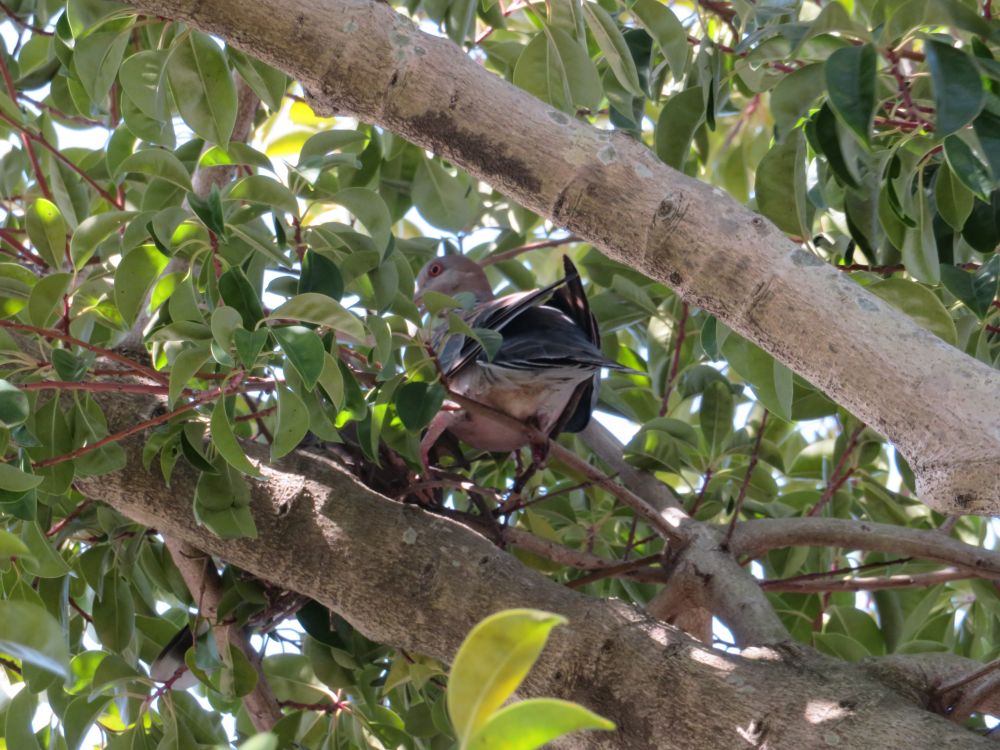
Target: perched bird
{"x": 545, "y": 372}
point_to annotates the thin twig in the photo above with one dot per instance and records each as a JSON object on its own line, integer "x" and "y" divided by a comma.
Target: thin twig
{"x": 741, "y": 497}
{"x": 515, "y": 252}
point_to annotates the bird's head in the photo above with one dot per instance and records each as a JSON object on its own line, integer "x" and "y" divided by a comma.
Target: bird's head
{"x": 452, "y": 275}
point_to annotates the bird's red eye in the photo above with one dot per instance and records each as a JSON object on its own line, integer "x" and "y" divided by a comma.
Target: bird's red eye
{"x": 435, "y": 269}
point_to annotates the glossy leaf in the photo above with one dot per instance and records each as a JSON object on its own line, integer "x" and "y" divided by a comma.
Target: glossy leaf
{"x": 958, "y": 88}
{"x": 850, "y": 84}
{"x": 203, "y": 87}
{"x": 490, "y": 664}
{"x": 531, "y": 724}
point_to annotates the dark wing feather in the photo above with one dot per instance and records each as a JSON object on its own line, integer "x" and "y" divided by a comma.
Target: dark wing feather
{"x": 572, "y": 300}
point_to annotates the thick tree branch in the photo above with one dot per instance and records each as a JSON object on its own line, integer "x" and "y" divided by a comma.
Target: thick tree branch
{"x": 316, "y": 523}
{"x": 935, "y": 403}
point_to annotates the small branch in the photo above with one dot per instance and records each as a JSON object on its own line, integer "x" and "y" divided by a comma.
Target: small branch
{"x": 25, "y": 25}
{"x": 11, "y": 665}
{"x": 80, "y": 385}
{"x": 754, "y": 456}
{"x": 839, "y": 476}
{"x": 874, "y": 583}
{"x": 43, "y": 185}
{"x": 27, "y": 254}
{"x": 577, "y": 464}
{"x": 138, "y": 427}
{"x": 80, "y": 611}
{"x": 329, "y": 708}
{"x": 205, "y": 584}
{"x": 515, "y": 252}
{"x": 75, "y": 513}
{"x": 52, "y": 334}
{"x": 757, "y": 537}
{"x": 679, "y": 334}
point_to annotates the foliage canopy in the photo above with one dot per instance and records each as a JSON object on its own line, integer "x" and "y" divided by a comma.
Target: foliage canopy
{"x": 156, "y": 180}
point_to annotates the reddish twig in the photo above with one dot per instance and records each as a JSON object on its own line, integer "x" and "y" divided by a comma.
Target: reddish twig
{"x": 746, "y": 479}
{"x": 839, "y": 476}
{"x": 675, "y": 365}
{"x": 38, "y": 260}
{"x": 611, "y": 571}
{"x": 25, "y": 136}
{"x": 24, "y": 24}
{"x": 701, "y": 493}
{"x": 515, "y": 252}
{"x": 139, "y": 427}
{"x": 10, "y": 664}
{"x": 75, "y": 513}
{"x": 81, "y": 611}
{"x": 52, "y": 334}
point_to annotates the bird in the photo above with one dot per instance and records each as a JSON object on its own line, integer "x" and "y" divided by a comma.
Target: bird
{"x": 545, "y": 372}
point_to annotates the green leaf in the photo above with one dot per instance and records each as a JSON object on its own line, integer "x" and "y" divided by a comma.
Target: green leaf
{"x": 141, "y": 76}
{"x": 80, "y": 716}
{"x": 186, "y": 363}
{"x": 331, "y": 380}
{"x": 958, "y": 88}
{"x": 418, "y": 403}
{"x": 203, "y": 87}
{"x": 209, "y": 210}
{"x": 114, "y": 613}
{"x": 237, "y": 292}
{"x": 225, "y": 441}
{"x": 45, "y": 301}
{"x": 920, "y": 252}
{"x": 612, "y": 43}
{"x": 667, "y": 31}
{"x": 221, "y": 490}
{"x": 920, "y": 303}
{"x": 258, "y": 188}
{"x": 679, "y": 119}
{"x": 134, "y": 276}
{"x": 781, "y": 185}
{"x": 530, "y": 724}
{"x": 47, "y": 231}
{"x": 320, "y": 275}
{"x": 92, "y": 231}
{"x": 557, "y": 69}
{"x": 157, "y": 162}
{"x": 14, "y": 409}
{"x": 850, "y": 84}
{"x": 794, "y": 95}
{"x": 446, "y": 201}
{"x": 322, "y": 310}
{"x": 293, "y": 421}
{"x": 716, "y": 415}
{"x": 964, "y": 164}
{"x": 13, "y": 479}
{"x": 266, "y": 82}
{"x": 987, "y": 127}
{"x": 11, "y": 546}
{"x": 249, "y": 345}
{"x": 491, "y": 663}
{"x": 304, "y": 350}
{"x": 952, "y": 198}
{"x": 97, "y": 57}
{"x": 369, "y": 208}
{"x": 29, "y": 633}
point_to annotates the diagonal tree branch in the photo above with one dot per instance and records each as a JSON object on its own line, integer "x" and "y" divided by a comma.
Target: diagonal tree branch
{"x": 315, "y": 526}
{"x": 935, "y": 403}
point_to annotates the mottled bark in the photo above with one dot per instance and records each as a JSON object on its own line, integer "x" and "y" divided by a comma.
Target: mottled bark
{"x": 360, "y": 57}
